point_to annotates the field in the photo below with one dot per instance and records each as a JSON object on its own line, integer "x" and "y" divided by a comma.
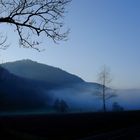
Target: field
{"x": 84, "y": 126}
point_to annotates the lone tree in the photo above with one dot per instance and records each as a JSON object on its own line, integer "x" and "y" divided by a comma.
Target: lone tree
{"x": 61, "y": 106}
{"x": 33, "y": 18}
{"x": 106, "y": 93}
{"x": 117, "y": 107}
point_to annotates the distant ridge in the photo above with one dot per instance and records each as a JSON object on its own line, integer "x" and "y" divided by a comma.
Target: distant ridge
{"x": 36, "y": 71}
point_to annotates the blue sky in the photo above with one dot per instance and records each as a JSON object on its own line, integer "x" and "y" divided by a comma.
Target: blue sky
{"x": 103, "y": 32}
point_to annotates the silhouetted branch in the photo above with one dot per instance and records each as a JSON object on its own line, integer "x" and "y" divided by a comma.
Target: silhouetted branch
{"x": 3, "y": 44}
{"x": 35, "y": 17}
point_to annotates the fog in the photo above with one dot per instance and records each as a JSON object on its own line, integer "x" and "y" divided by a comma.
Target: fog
{"x": 84, "y": 97}
{"x": 129, "y": 99}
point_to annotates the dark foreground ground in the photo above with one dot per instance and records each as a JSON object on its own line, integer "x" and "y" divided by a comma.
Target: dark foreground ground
{"x": 84, "y": 126}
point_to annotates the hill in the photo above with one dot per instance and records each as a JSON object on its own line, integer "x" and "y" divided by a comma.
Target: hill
{"x": 18, "y": 93}
{"x": 41, "y": 72}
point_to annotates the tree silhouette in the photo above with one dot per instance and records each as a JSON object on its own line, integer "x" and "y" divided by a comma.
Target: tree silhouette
{"x": 117, "y": 107}
{"x": 63, "y": 106}
{"x": 56, "y": 104}
{"x": 105, "y": 93}
{"x": 34, "y": 18}
{"x": 60, "y": 106}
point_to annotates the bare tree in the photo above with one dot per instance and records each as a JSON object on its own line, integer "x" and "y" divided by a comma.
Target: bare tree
{"x": 33, "y": 18}
{"x": 104, "y": 78}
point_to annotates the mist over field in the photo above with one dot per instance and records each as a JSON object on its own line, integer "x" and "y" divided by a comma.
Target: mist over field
{"x": 86, "y": 100}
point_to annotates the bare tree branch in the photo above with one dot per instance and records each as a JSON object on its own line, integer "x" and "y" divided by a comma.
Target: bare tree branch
{"x": 3, "y": 46}
{"x": 39, "y": 17}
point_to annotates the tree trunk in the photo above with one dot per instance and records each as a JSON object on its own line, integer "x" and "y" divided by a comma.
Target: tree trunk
{"x": 104, "y": 102}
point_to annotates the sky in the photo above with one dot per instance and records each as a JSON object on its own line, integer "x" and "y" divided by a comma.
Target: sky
{"x": 102, "y": 32}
